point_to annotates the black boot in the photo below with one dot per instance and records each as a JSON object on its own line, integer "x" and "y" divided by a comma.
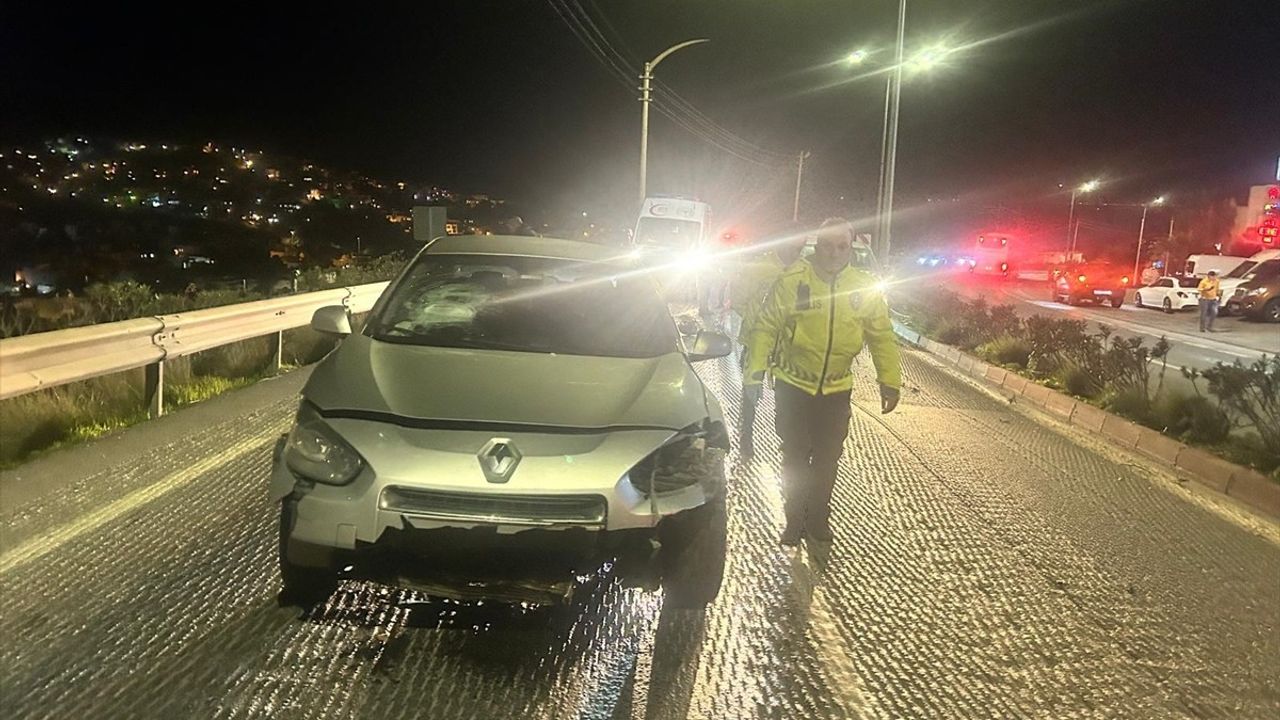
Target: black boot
{"x": 791, "y": 534}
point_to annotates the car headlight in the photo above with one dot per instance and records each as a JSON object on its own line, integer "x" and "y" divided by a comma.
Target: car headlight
{"x": 695, "y": 260}
{"x": 682, "y": 461}
{"x": 314, "y": 451}
{"x": 1258, "y": 291}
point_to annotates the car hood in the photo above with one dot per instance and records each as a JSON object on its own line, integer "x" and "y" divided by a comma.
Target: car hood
{"x": 395, "y": 382}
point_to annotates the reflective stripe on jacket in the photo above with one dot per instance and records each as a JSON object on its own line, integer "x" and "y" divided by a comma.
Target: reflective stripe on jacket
{"x": 809, "y": 331}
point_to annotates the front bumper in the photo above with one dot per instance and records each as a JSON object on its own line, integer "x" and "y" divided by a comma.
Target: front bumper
{"x": 424, "y": 480}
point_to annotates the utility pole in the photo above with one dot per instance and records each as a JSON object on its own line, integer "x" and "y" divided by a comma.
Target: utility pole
{"x": 1137, "y": 259}
{"x": 795, "y": 210}
{"x": 646, "y": 96}
{"x": 891, "y": 146}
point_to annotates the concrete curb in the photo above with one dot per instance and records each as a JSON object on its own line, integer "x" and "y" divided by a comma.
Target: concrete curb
{"x": 1246, "y": 485}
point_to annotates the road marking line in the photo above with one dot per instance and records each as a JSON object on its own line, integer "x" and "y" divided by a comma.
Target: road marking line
{"x": 38, "y": 547}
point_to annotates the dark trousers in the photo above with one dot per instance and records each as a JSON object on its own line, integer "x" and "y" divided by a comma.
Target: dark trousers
{"x": 812, "y": 429}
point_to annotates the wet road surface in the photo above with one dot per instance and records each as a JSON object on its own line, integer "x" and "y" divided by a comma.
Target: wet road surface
{"x": 985, "y": 565}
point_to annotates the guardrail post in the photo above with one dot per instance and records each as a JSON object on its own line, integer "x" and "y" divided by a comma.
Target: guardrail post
{"x": 153, "y": 391}
{"x": 279, "y": 350}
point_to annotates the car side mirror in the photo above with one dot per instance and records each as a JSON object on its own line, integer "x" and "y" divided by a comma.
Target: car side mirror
{"x": 332, "y": 320}
{"x": 708, "y": 346}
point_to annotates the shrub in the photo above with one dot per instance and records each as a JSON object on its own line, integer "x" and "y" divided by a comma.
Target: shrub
{"x": 952, "y": 333}
{"x": 1007, "y": 350}
{"x": 1192, "y": 417}
{"x": 114, "y": 301}
{"x": 1250, "y": 397}
{"x": 1076, "y": 381}
{"x": 1135, "y": 405}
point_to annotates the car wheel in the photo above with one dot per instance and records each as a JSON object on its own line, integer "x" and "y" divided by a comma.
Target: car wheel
{"x": 1137, "y": 299}
{"x": 1271, "y": 311}
{"x": 301, "y": 582}
{"x": 693, "y": 554}
{"x": 1168, "y": 306}
{"x": 1117, "y": 302}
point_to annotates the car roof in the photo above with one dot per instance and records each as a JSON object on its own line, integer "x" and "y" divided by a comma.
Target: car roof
{"x": 523, "y": 246}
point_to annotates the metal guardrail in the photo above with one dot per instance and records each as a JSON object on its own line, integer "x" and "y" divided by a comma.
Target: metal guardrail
{"x": 49, "y": 359}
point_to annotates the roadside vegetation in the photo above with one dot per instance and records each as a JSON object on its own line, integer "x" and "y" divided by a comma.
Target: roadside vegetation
{"x": 46, "y": 419}
{"x": 1233, "y": 410}
{"x": 125, "y": 300}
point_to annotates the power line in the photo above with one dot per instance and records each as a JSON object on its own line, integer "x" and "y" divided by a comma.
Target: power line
{"x": 670, "y": 104}
{"x": 627, "y": 59}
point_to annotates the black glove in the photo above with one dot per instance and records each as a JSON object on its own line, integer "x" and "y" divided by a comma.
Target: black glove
{"x": 888, "y": 399}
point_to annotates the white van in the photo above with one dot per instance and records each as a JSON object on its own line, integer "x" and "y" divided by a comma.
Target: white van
{"x": 1200, "y": 265}
{"x": 673, "y": 224}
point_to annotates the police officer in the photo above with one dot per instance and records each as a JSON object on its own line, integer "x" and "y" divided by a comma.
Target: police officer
{"x": 818, "y": 317}
{"x": 752, "y": 280}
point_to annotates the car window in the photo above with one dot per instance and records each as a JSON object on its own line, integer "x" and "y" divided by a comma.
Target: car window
{"x": 667, "y": 232}
{"x": 1167, "y": 282}
{"x": 1241, "y": 270}
{"x": 1263, "y": 271}
{"x": 526, "y": 305}
{"x": 1189, "y": 282}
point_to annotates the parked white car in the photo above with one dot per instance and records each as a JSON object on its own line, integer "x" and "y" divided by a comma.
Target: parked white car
{"x": 1169, "y": 293}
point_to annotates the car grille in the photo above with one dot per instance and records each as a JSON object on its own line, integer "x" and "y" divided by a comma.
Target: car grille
{"x": 531, "y": 510}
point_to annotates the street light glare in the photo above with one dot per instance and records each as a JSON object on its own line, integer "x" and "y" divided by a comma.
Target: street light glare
{"x": 1158, "y": 201}
{"x": 1089, "y": 186}
{"x": 930, "y": 57}
{"x": 857, "y": 57}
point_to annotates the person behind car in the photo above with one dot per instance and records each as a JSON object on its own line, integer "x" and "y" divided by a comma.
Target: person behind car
{"x": 818, "y": 317}
{"x": 749, "y": 286}
{"x": 1209, "y": 288}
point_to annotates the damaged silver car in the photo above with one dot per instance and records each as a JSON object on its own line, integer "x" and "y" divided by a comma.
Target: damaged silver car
{"x": 515, "y": 412}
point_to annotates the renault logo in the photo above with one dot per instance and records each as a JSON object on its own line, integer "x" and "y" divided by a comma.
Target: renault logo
{"x": 498, "y": 459}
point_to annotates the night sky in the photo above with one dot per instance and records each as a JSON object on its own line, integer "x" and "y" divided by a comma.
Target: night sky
{"x": 1154, "y": 96}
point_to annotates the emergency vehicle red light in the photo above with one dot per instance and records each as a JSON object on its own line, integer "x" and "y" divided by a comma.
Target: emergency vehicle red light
{"x": 1081, "y": 278}
{"x": 1124, "y": 280}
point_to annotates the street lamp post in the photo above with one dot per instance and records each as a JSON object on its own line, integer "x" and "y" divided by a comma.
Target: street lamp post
{"x": 1071, "y": 214}
{"x": 646, "y": 97}
{"x": 1142, "y": 226}
{"x": 889, "y": 151}
{"x": 795, "y": 210}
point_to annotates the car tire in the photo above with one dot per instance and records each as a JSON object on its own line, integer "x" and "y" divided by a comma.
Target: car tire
{"x": 1271, "y": 311}
{"x": 1168, "y": 306}
{"x": 1137, "y": 300}
{"x": 1117, "y": 302}
{"x": 692, "y": 556}
{"x": 303, "y": 583}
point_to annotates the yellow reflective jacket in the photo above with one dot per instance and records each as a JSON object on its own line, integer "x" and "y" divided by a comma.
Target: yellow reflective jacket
{"x": 749, "y": 287}
{"x": 809, "y": 331}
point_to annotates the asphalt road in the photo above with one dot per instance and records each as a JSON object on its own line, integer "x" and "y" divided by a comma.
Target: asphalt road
{"x": 1233, "y": 338}
{"x": 986, "y": 564}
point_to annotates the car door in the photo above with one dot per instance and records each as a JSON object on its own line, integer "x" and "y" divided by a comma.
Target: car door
{"x": 1156, "y": 293}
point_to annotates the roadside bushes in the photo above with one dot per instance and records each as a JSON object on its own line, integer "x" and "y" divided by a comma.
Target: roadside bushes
{"x": 1249, "y": 398}
{"x": 1008, "y": 351}
{"x": 125, "y": 300}
{"x": 1239, "y": 417}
